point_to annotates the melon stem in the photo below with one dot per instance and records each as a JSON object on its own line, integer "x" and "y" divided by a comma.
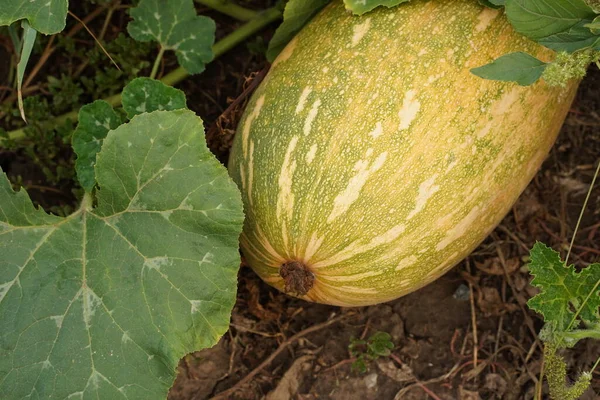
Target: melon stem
{"x": 297, "y": 277}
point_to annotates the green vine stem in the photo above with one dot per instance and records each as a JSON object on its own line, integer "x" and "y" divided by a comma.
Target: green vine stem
{"x": 159, "y": 57}
{"x": 228, "y": 8}
{"x": 174, "y": 77}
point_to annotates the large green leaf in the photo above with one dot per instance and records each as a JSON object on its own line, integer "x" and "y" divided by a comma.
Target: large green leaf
{"x": 564, "y": 292}
{"x": 360, "y": 7}
{"x": 175, "y": 25}
{"x": 102, "y": 304}
{"x": 557, "y": 24}
{"x": 297, "y": 13}
{"x": 46, "y": 16}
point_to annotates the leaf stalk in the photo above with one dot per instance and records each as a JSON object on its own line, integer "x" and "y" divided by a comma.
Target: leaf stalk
{"x": 229, "y": 8}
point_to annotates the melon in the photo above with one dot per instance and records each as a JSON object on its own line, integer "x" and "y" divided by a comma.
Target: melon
{"x": 370, "y": 159}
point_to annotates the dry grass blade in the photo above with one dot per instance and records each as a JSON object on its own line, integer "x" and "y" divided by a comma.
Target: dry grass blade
{"x": 95, "y": 38}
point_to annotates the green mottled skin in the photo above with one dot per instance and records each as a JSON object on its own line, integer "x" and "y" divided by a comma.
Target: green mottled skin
{"x": 424, "y": 190}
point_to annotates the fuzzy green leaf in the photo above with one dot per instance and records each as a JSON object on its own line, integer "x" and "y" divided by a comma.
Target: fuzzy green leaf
{"x": 102, "y": 304}
{"x": 45, "y": 16}
{"x": 144, "y": 95}
{"x": 95, "y": 121}
{"x": 359, "y": 7}
{"x": 557, "y": 24}
{"x": 297, "y": 13}
{"x": 175, "y": 25}
{"x": 563, "y": 290}
{"x": 516, "y": 67}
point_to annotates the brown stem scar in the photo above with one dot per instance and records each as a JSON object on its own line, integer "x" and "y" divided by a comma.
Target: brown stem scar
{"x": 297, "y": 277}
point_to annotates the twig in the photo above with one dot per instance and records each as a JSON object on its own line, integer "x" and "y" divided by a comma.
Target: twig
{"x": 401, "y": 394}
{"x": 227, "y": 393}
{"x": 364, "y": 332}
{"x": 244, "y": 329}
{"x": 339, "y": 364}
{"x": 473, "y": 316}
{"x": 258, "y": 78}
{"x": 587, "y": 197}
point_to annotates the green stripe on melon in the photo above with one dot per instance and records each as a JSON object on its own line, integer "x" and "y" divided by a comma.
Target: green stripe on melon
{"x": 371, "y": 156}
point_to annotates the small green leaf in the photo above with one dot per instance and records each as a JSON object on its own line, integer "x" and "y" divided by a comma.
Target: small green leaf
{"x": 516, "y": 67}
{"x": 29, "y": 35}
{"x": 359, "y": 7}
{"x": 492, "y": 3}
{"x": 175, "y": 25}
{"x": 45, "y": 16}
{"x": 144, "y": 95}
{"x": 380, "y": 344}
{"x": 102, "y": 304}
{"x": 297, "y": 13}
{"x": 557, "y": 24}
{"x": 565, "y": 293}
{"x": 95, "y": 121}
{"x": 359, "y": 365}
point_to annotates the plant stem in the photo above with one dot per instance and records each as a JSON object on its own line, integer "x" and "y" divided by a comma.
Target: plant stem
{"x": 587, "y": 197}
{"x": 228, "y": 8}
{"x": 157, "y": 62}
{"x": 595, "y": 365}
{"x": 174, "y": 77}
{"x": 581, "y": 334}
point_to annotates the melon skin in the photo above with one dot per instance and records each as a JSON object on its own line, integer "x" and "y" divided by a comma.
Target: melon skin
{"x": 374, "y": 158}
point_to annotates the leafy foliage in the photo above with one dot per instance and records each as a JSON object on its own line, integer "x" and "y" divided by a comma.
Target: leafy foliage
{"x": 65, "y": 93}
{"x": 566, "y": 27}
{"x": 175, "y": 25}
{"x": 565, "y": 294}
{"x": 130, "y": 55}
{"x": 567, "y": 300}
{"x": 45, "y": 16}
{"x": 142, "y": 95}
{"x": 297, "y": 13}
{"x": 360, "y": 7}
{"x": 556, "y": 24}
{"x": 111, "y": 297}
{"x": 377, "y": 345}
{"x": 518, "y": 67}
